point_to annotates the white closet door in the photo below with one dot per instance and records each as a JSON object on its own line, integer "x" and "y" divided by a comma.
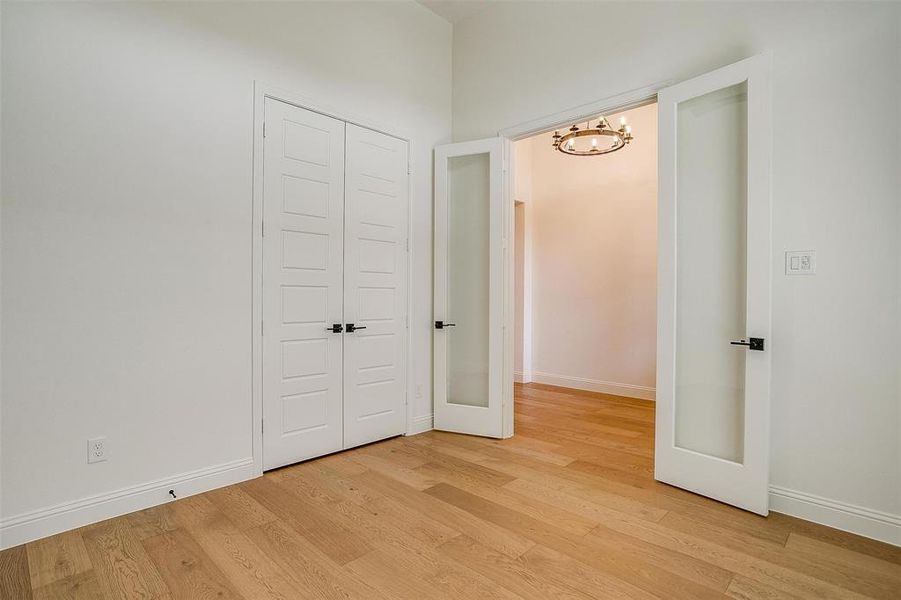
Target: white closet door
{"x": 374, "y": 286}
{"x": 303, "y": 225}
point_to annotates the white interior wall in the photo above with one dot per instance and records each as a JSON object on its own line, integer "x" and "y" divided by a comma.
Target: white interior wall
{"x": 835, "y": 380}
{"x": 126, "y": 227}
{"x": 594, "y": 263}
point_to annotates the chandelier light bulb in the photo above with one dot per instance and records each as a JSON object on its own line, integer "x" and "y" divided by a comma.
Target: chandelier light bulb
{"x": 622, "y": 121}
{"x": 594, "y": 142}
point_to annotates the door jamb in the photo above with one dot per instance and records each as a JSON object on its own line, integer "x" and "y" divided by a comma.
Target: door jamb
{"x": 617, "y": 103}
{"x": 261, "y": 91}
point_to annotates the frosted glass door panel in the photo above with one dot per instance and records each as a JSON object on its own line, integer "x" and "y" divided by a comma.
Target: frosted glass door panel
{"x": 467, "y": 279}
{"x": 469, "y": 253}
{"x": 711, "y": 272}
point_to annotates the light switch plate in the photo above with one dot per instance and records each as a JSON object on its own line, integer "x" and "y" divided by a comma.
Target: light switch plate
{"x": 800, "y": 262}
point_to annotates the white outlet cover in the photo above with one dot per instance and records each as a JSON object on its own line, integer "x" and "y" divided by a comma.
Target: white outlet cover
{"x": 800, "y": 262}
{"x": 97, "y": 450}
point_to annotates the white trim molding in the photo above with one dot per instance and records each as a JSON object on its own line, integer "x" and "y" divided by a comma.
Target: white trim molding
{"x": 522, "y": 376}
{"x": 867, "y": 522}
{"x": 44, "y": 522}
{"x": 618, "y": 103}
{"x": 420, "y": 424}
{"x": 595, "y": 385}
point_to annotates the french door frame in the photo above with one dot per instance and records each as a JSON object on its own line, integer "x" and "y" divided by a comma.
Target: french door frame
{"x": 618, "y": 103}
{"x": 565, "y": 118}
{"x": 261, "y": 91}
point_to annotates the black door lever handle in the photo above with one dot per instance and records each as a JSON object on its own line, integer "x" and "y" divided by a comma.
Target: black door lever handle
{"x": 752, "y": 343}
{"x": 442, "y": 324}
{"x": 351, "y": 327}
{"x": 336, "y": 328}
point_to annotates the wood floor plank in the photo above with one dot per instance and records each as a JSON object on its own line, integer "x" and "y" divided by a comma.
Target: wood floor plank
{"x": 403, "y": 475}
{"x": 315, "y": 572}
{"x": 379, "y": 523}
{"x": 436, "y": 576}
{"x": 246, "y": 567}
{"x": 521, "y": 445}
{"x": 557, "y": 484}
{"x": 336, "y": 541}
{"x": 837, "y": 537}
{"x": 239, "y": 507}
{"x": 846, "y": 568}
{"x": 121, "y": 565}
{"x": 643, "y": 573}
{"x": 512, "y": 574}
{"x": 488, "y": 534}
{"x": 152, "y": 521}
{"x": 186, "y": 568}
{"x": 764, "y": 571}
{"x": 58, "y": 557}
{"x": 743, "y": 588}
{"x": 15, "y": 579}
{"x": 537, "y": 509}
{"x": 807, "y": 546}
{"x": 597, "y": 583}
{"x": 82, "y": 586}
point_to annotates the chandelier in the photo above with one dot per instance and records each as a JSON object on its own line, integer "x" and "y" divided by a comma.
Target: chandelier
{"x": 592, "y": 141}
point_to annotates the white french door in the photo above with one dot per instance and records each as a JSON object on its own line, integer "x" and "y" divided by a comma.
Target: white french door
{"x": 713, "y": 304}
{"x": 303, "y": 287}
{"x": 470, "y": 237}
{"x": 334, "y": 285}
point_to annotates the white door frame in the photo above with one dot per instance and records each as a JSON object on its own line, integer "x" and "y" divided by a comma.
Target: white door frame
{"x": 611, "y": 104}
{"x": 261, "y": 91}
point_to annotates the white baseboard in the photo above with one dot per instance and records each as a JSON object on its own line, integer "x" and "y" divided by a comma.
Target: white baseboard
{"x": 522, "y": 376}
{"x": 594, "y": 385}
{"x": 48, "y": 521}
{"x": 874, "y": 524}
{"x": 420, "y": 424}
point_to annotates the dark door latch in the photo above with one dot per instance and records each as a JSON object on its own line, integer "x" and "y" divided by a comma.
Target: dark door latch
{"x": 442, "y": 324}
{"x": 752, "y": 343}
{"x": 336, "y": 328}
{"x": 351, "y": 327}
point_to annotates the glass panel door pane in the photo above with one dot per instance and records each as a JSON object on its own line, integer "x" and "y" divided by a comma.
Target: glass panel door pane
{"x": 468, "y": 204}
{"x": 711, "y": 265}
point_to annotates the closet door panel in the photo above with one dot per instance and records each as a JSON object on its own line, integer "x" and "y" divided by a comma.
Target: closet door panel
{"x": 375, "y": 277}
{"x": 303, "y": 247}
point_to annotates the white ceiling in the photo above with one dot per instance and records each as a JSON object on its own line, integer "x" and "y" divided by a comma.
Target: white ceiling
{"x": 454, "y": 10}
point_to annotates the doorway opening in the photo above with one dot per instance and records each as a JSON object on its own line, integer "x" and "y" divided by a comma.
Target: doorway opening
{"x": 585, "y": 292}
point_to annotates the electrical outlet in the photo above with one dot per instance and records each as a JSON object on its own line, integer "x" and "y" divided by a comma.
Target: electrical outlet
{"x": 97, "y": 450}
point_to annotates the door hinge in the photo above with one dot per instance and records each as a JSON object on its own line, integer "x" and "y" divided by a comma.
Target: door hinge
{"x": 262, "y": 426}
{"x": 264, "y": 129}
{"x": 263, "y": 229}
{"x": 261, "y": 329}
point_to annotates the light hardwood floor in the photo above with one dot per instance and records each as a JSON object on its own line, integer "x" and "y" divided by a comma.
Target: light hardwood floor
{"x": 568, "y": 508}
